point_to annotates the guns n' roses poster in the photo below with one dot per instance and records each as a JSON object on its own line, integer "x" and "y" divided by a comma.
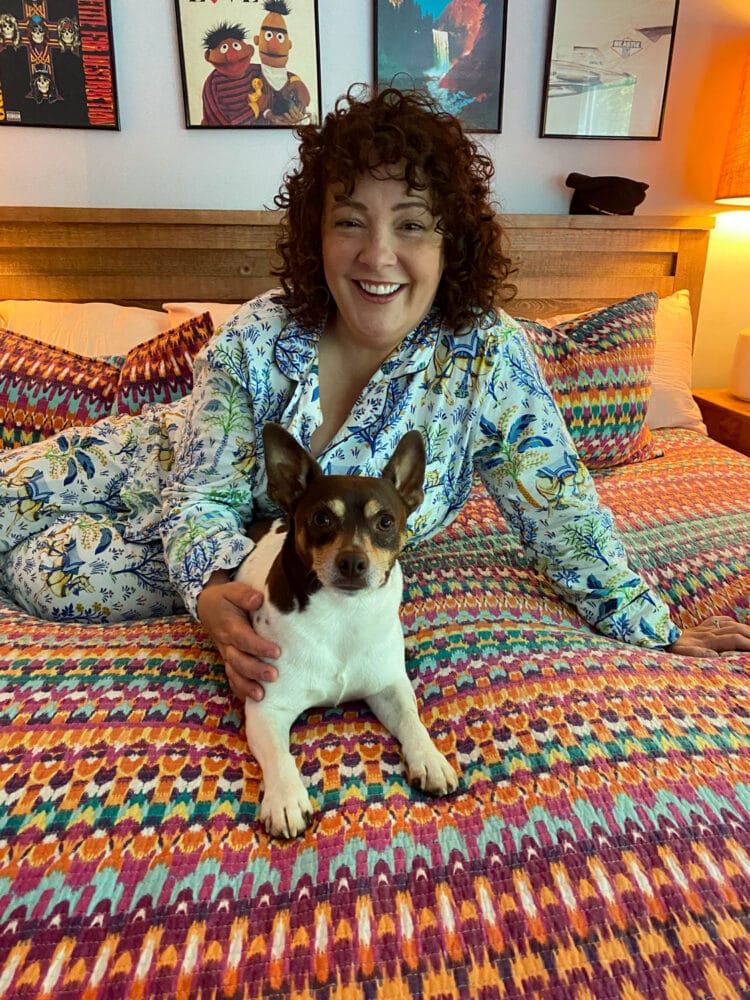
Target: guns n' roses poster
{"x": 249, "y": 63}
{"x": 57, "y": 64}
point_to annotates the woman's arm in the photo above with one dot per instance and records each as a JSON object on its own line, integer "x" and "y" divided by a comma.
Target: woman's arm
{"x": 529, "y": 463}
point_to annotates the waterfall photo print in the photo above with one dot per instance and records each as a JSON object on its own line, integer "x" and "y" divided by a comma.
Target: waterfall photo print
{"x": 454, "y": 50}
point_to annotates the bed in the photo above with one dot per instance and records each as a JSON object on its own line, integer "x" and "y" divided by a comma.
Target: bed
{"x": 599, "y": 842}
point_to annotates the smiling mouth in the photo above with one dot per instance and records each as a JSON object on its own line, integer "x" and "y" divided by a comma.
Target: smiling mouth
{"x": 382, "y": 290}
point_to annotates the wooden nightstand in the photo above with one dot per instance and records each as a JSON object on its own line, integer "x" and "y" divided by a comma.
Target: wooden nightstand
{"x": 727, "y": 417}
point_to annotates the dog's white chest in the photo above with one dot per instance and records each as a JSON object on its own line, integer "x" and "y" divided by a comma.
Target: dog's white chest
{"x": 341, "y": 647}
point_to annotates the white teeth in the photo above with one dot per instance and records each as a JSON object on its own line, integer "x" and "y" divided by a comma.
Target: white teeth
{"x": 373, "y": 289}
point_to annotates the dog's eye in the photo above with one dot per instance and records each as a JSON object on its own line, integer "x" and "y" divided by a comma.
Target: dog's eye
{"x": 385, "y": 521}
{"x": 322, "y": 519}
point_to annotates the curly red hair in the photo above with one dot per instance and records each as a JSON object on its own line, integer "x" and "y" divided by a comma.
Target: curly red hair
{"x": 395, "y": 127}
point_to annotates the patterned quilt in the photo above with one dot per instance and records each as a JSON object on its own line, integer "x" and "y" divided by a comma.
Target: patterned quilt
{"x": 598, "y": 845}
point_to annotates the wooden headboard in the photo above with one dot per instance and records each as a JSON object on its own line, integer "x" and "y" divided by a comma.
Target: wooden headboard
{"x": 564, "y": 263}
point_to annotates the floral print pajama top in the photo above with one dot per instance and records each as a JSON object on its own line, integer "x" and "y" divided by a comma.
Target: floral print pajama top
{"x": 482, "y": 405}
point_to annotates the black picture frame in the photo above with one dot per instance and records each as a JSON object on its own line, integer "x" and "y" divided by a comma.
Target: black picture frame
{"x": 461, "y": 65}
{"x": 213, "y": 98}
{"x": 607, "y": 69}
{"x": 57, "y": 66}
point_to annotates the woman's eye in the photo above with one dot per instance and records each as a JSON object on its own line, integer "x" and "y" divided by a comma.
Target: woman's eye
{"x": 322, "y": 519}
{"x": 347, "y": 223}
{"x": 414, "y": 227}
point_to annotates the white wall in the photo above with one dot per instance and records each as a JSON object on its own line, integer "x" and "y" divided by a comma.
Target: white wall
{"x": 154, "y": 161}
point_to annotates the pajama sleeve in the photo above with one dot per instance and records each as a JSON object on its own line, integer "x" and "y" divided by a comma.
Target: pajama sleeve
{"x": 527, "y": 459}
{"x": 209, "y": 497}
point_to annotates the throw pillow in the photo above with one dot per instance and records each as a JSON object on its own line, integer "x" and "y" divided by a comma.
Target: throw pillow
{"x": 161, "y": 370}
{"x": 44, "y": 389}
{"x": 598, "y": 366}
{"x": 672, "y": 403}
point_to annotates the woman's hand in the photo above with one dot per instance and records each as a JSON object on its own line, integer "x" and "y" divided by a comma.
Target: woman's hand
{"x": 223, "y": 607}
{"x": 712, "y": 637}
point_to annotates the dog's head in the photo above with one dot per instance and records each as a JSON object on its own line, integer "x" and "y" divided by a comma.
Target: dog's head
{"x": 349, "y": 530}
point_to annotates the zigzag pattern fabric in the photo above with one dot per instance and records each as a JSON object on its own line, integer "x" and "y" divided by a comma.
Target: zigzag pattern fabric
{"x": 44, "y": 389}
{"x": 598, "y": 846}
{"x": 161, "y": 369}
{"x": 598, "y": 366}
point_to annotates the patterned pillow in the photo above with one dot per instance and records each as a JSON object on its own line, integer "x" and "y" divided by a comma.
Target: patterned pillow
{"x": 44, "y": 389}
{"x": 161, "y": 369}
{"x": 598, "y": 366}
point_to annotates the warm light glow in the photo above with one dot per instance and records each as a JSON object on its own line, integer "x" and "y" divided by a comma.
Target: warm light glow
{"x": 734, "y": 180}
{"x": 734, "y": 225}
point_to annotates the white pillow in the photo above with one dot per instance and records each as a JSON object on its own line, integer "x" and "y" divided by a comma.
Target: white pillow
{"x": 94, "y": 329}
{"x": 671, "y": 403}
{"x": 180, "y": 311}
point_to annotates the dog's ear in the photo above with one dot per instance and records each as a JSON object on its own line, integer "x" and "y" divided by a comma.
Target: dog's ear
{"x": 289, "y": 467}
{"x": 406, "y": 468}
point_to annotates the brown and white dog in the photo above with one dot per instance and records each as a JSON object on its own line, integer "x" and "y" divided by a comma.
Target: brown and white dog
{"x": 332, "y": 588}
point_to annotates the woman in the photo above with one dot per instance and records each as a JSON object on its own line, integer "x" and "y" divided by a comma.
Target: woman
{"x": 385, "y": 321}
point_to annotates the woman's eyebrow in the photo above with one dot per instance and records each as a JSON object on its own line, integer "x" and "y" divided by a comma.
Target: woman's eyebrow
{"x": 346, "y": 201}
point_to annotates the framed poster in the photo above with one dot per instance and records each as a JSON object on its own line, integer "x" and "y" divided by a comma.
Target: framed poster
{"x": 456, "y": 52}
{"x": 249, "y": 65}
{"x": 608, "y": 68}
{"x": 57, "y": 64}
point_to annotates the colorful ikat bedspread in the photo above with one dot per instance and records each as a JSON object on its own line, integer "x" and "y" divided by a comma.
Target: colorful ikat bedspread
{"x": 598, "y": 846}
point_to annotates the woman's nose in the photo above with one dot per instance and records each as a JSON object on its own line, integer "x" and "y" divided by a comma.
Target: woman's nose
{"x": 377, "y": 249}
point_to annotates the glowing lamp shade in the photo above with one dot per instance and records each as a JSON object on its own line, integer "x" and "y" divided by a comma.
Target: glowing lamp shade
{"x": 734, "y": 180}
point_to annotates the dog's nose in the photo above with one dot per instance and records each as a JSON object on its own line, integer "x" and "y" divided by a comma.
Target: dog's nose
{"x": 351, "y": 565}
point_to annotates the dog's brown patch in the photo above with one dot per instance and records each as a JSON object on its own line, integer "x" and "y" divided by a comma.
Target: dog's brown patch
{"x": 290, "y": 581}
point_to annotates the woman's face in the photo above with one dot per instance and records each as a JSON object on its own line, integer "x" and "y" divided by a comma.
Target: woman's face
{"x": 382, "y": 258}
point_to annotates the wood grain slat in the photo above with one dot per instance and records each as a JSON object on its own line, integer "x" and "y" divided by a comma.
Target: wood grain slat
{"x": 106, "y": 236}
{"x": 593, "y": 241}
{"x": 153, "y": 289}
{"x": 563, "y": 263}
{"x": 606, "y": 222}
{"x": 612, "y": 287}
{"x": 89, "y": 262}
{"x": 158, "y": 217}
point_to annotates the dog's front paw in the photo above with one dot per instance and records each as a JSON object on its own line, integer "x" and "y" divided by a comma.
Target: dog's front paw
{"x": 432, "y": 772}
{"x": 286, "y": 810}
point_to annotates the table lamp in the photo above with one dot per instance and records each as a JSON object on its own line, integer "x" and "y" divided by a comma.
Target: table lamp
{"x": 734, "y": 189}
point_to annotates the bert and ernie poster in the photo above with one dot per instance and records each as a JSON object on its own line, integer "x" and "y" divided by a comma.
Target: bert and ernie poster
{"x": 249, "y": 63}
